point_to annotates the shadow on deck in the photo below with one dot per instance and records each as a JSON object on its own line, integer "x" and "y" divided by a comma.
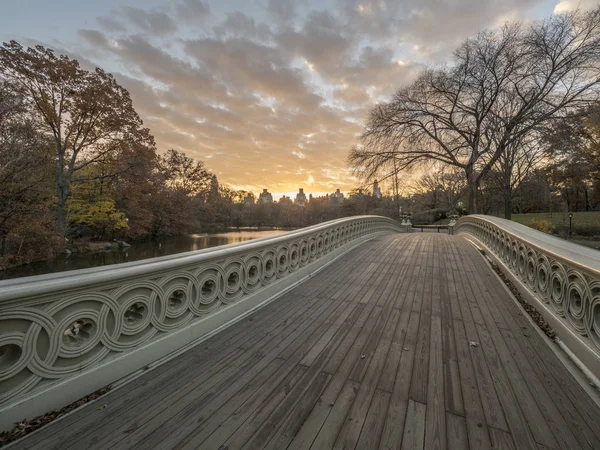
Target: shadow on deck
{"x": 409, "y": 341}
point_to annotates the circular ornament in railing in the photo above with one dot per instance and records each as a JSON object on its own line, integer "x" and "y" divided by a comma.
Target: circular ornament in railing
{"x": 542, "y": 277}
{"x": 253, "y": 268}
{"x": 577, "y": 301}
{"x": 135, "y": 314}
{"x": 320, "y": 247}
{"x": 304, "y": 252}
{"x": 506, "y": 257}
{"x": 210, "y": 280}
{"x": 269, "y": 272}
{"x": 12, "y": 357}
{"x": 312, "y": 247}
{"x": 294, "y": 256}
{"x": 282, "y": 261}
{"x": 522, "y": 261}
{"x": 79, "y": 333}
{"x": 514, "y": 255}
{"x": 234, "y": 280}
{"x": 531, "y": 268}
{"x": 558, "y": 287}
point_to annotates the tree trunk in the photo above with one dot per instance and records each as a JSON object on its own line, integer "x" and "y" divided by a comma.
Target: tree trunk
{"x": 3, "y": 239}
{"x": 61, "y": 213}
{"x": 60, "y": 192}
{"x": 508, "y": 206}
{"x": 472, "y": 190}
{"x": 507, "y": 194}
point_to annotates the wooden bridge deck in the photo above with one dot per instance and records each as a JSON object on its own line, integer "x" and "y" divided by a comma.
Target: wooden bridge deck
{"x": 408, "y": 341}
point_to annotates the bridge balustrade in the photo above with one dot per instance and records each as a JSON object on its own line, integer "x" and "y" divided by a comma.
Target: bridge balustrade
{"x": 65, "y": 335}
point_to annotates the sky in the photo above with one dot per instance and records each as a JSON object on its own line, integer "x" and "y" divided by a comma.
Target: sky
{"x": 268, "y": 93}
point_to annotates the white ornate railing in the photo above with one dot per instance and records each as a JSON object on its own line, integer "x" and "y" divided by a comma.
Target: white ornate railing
{"x": 90, "y": 327}
{"x": 559, "y": 274}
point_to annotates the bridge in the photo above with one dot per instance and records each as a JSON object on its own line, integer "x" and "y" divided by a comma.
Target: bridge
{"x": 354, "y": 333}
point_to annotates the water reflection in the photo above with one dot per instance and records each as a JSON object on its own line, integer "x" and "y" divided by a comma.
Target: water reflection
{"x": 140, "y": 250}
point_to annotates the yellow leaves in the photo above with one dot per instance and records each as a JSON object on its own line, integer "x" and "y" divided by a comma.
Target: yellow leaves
{"x": 101, "y": 214}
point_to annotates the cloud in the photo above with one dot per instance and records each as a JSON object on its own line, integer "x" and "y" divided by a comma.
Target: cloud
{"x": 571, "y": 5}
{"x": 94, "y": 37}
{"x": 284, "y": 10}
{"x": 110, "y": 24}
{"x": 275, "y": 93}
{"x": 152, "y": 21}
{"x": 192, "y": 10}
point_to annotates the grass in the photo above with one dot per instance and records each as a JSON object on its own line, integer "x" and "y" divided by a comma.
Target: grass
{"x": 586, "y": 225}
{"x": 589, "y": 219}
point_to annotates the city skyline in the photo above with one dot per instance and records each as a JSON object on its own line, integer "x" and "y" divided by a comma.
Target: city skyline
{"x": 276, "y": 89}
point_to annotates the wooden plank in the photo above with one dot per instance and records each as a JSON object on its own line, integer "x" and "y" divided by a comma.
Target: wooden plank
{"x": 377, "y": 339}
{"x": 324, "y": 433}
{"x": 414, "y": 429}
{"x": 373, "y": 426}
{"x": 474, "y": 413}
{"x": 452, "y": 389}
{"x": 369, "y": 317}
{"x": 184, "y": 423}
{"x": 350, "y": 432}
{"x": 394, "y": 424}
{"x": 178, "y": 412}
{"x": 296, "y": 418}
{"x": 388, "y": 375}
{"x": 488, "y": 395}
{"x": 420, "y": 377}
{"x": 456, "y": 432}
{"x": 265, "y": 410}
{"x": 507, "y": 372}
{"x": 261, "y": 399}
{"x": 502, "y": 440}
{"x": 543, "y": 361}
{"x": 167, "y": 429}
{"x": 515, "y": 418}
{"x": 435, "y": 426}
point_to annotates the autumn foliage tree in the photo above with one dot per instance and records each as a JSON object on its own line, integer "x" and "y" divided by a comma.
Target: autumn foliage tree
{"x": 87, "y": 114}
{"x": 25, "y": 155}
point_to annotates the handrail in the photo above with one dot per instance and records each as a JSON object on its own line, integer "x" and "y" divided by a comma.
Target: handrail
{"x": 557, "y": 272}
{"x": 58, "y": 327}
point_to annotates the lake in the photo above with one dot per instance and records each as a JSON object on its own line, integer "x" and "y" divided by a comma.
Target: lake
{"x": 139, "y": 250}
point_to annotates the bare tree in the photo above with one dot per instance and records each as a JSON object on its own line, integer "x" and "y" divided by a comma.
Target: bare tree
{"x": 503, "y": 85}
{"x": 519, "y": 158}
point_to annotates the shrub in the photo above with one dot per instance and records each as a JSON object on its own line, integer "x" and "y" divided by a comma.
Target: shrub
{"x": 545, "y": 226}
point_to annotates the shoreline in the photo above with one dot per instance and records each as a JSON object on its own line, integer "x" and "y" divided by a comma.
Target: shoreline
{"x": 87, "y": 246}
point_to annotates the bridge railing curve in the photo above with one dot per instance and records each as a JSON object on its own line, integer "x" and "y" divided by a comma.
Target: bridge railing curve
{"x": 563, "y": 277}
{"x": 64, "y": 335}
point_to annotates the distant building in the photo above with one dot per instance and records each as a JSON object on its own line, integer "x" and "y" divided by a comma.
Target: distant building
{"x": 265, "y": 197}
{"x": 376, "y": 190}
{"x": 249, "y": 199}
{"x": 285, "y": 200}
{"x": 337, "y": 196}
{"x": 300, "y": 198}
